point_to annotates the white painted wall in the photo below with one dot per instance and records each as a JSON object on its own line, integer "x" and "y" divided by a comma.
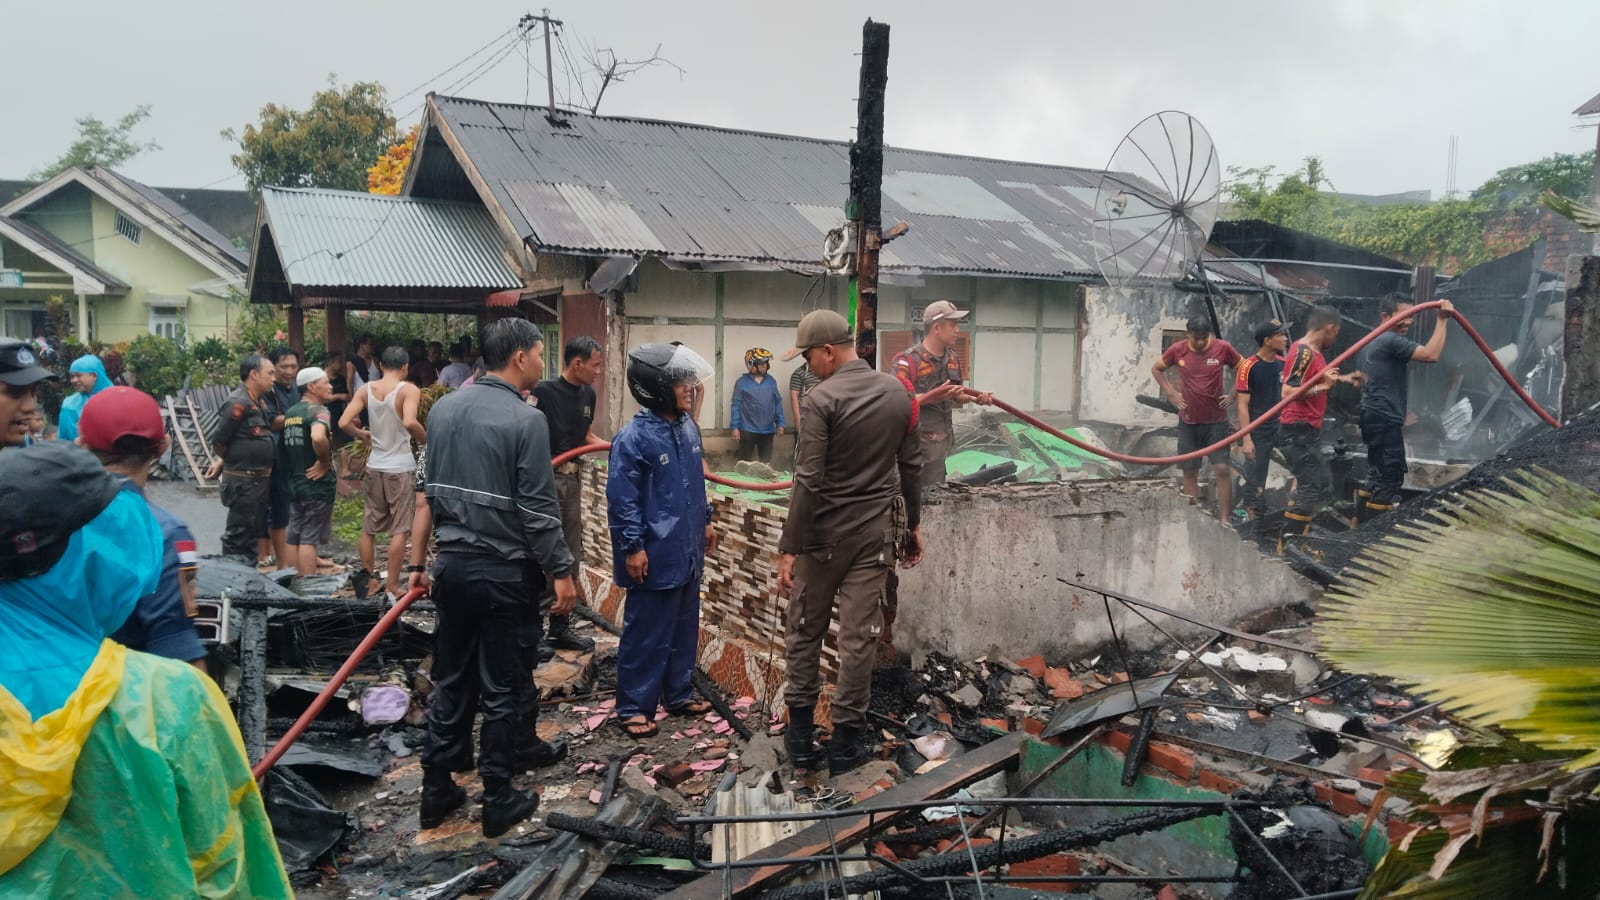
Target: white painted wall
{"x": 994, "y": 586}
{"x": 762, "y": 309}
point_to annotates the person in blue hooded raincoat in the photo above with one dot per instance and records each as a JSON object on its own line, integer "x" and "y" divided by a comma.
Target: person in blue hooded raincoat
{"x": 88, "y": 375}
{"x": 124, "y": 773}
{"x": 660, "y": 523}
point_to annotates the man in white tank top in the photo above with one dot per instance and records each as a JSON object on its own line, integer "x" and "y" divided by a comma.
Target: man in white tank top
{"x": 391, "y": 407}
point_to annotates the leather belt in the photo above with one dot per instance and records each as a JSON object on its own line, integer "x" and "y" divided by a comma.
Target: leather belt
{"x": 247, "y": 473}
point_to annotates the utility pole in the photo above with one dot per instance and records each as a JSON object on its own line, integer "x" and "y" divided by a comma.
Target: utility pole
{"x": 866, "y": 184}
{"x": 549, "y": 70}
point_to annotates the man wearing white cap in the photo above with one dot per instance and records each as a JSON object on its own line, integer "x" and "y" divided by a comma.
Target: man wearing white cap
{"x": 307, "y": 450}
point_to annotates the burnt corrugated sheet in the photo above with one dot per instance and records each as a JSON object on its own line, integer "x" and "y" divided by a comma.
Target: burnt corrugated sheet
{"x": 598, "y": 184}
{"x": 349, "y": 239}
{"x": 1592, "y": 108}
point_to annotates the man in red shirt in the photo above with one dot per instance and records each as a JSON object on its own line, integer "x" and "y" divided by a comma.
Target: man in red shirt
{"x": 1300, "y": 437}
{"x": 1202, "y": 404}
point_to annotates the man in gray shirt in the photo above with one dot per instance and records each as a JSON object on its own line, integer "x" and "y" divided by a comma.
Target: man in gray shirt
{"x": 1384, "y": 365}
{"x": 493, "y": 496}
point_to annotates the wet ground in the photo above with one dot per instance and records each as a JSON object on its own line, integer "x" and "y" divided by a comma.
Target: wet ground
{"x": 201, "y": 510}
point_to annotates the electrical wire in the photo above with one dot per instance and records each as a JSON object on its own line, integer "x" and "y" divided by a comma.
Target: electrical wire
{"x": 456, "y": 65}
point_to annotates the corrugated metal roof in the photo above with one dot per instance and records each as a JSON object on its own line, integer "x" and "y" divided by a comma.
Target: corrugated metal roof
{"x": 1592, "y": 108}
{"x": 614, "y": 185}
{"x": 348, "y": 239}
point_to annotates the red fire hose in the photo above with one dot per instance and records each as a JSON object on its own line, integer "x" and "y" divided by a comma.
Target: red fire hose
{"x": 1182, "y": 457}
{"x": 393, "y": 614}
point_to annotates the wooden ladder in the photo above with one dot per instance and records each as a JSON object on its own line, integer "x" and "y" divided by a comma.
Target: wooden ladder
{"x": 189, "y": 428}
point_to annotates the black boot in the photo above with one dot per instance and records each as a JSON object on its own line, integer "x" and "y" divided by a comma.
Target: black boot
{"x": 546, "y": 652}
{"x": 561, "y": 636}
{"x": 1359, "y": 515}
{"x": 846, "y": 750}
{"x": 541, "y": 754}
{"x": 504, "y": 806}
{"x": 440, "y": 796}
{"x": 800, "y": 740}
{"x": 1294, "y": 525}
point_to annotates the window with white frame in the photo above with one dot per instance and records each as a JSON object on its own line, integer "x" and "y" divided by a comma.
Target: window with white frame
{"x": 167, "y": 321}
{"x": 128, "y": 228}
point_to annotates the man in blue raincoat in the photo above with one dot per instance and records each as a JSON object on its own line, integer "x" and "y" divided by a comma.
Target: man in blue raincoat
{"x": 661, "y": 532}
{"x": 124, "y": 774}
{"x": 88, "y": 375}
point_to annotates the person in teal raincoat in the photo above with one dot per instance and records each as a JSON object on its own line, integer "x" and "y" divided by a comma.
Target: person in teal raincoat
{"x": 124, "y": 773}
{"x": 88, "y": 374}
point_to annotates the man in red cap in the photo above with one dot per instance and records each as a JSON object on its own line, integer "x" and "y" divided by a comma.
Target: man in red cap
{"x": 122, "y": 427}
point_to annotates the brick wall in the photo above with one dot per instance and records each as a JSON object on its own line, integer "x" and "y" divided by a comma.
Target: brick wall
{"x": 741, "y": 614}
{"x": 1510, "y": 231}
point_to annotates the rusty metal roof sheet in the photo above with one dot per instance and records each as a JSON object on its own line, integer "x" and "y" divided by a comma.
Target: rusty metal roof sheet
{"x": 347, "y": 239}
{"x": 602, "y": 185}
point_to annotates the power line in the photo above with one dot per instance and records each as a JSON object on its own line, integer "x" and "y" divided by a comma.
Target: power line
{"x": 467, "y": 80}
{"x": 454, "y": 66}
{"x": 572, "y": 72}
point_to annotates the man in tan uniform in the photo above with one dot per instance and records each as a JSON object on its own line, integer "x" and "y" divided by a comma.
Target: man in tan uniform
{"x": 855, "y": 491}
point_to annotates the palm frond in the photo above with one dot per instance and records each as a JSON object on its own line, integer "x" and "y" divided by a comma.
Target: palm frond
{"x": 1492, "y": 607}
{"x": 1587, "y": 217}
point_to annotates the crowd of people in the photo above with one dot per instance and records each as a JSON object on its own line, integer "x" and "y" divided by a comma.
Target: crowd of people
{"x": 97, "y": 586}
{"x": 1259, "y": 380}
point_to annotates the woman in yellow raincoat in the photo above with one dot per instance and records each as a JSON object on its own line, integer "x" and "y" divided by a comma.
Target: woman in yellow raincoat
{"x": 121, "y": 774}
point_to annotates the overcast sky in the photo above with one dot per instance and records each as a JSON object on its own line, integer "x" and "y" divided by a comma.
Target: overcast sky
{"x": 1375, "y": 88}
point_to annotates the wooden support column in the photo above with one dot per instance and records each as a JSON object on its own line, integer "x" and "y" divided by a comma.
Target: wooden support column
{"x": 1580, "y": 344}
{"x": 336, "y": 332}
{"x": 83, "y": 320}
{"x": 297, "y": 331}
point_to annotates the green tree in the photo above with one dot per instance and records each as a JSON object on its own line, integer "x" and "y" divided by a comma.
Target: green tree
{"x": 101, "y": 144}
{"x": 1570, "y": 174}
{"x": 330, "y": 144}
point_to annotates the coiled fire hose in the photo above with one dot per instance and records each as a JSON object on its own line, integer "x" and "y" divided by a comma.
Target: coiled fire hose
{"x": 393, "y": 614}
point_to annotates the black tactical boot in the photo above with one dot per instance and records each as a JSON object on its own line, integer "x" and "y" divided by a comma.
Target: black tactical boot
{"x": 504, "y": 806}
{"x": 440, "y": 796}
{"x": 546, "y": 652}
{"x": 1294, "y": 525}
{"x": 800, "y": 740}
{"x": 541, "y": 754}
{"x": 846, "y": 750}
{"x": 561, "y": 636}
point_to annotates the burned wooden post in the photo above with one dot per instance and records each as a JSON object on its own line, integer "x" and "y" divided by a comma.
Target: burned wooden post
{"x": 866, "y": 183}
{"x": 1580, "y": 344}
{"x": 253, "y": 682}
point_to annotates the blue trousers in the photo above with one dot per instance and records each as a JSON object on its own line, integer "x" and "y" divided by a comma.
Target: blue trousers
{"x": 655, "y": 661}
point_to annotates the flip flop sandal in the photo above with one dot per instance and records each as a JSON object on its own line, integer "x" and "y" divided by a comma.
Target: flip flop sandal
{"x": 690, "y": 708}
{"x": 638, "y": 727}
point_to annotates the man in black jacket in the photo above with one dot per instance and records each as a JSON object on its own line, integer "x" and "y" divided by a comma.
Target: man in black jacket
{"x": 498, "y": 526}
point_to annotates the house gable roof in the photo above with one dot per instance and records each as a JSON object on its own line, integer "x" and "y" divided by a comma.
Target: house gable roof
{"x": 87, "y": 278}
{"x": 151, "y": 209}
{"x": 611, "y": 185}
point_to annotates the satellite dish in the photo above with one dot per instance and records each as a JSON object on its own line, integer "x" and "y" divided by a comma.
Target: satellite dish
{"x": 1157, "y": 201}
